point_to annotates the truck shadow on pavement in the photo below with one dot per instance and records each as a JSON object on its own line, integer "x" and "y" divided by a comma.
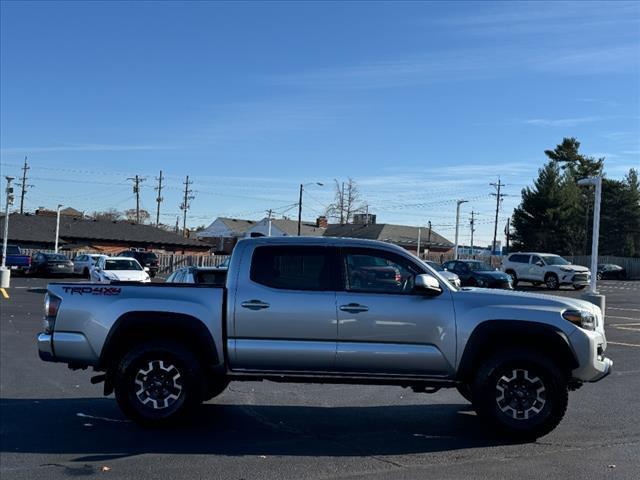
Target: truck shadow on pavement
{"x": 93, "y": 429}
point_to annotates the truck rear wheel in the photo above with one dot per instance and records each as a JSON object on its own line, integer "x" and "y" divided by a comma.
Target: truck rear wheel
{"x": 158, "y": 383}
{"x": 514, "y": 277}
{"x": 521, "y": 392}
{"x": 464, "y": 389}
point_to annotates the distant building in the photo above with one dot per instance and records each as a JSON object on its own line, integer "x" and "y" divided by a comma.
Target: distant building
{"x": 39, "y": 232}
{"x": 283, "y": 227}
{"x": 224, "y": 233}
{"x": 402, "y": 235}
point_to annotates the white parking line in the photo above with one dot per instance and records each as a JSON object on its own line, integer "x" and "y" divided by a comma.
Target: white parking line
{"x": 627, "y": 309}
{"x": 622, "y": 318}
{"x": 624, "y": 344}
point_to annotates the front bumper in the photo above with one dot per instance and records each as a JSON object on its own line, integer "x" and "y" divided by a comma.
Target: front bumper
{"x": 589, "y": 347}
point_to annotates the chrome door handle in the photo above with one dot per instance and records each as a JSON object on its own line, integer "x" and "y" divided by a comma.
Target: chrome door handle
{"x": 254, "y": 305}
{"x": 354, "y": 308}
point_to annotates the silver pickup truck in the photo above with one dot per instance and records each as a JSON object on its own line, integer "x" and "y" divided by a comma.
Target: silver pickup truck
{"x": 329, "y": 311}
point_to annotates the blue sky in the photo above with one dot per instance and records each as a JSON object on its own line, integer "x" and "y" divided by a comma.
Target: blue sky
{"x": 421, "y": 103}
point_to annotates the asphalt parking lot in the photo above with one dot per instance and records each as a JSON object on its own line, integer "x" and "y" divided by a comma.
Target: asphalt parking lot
{"x": 55, "y": 424}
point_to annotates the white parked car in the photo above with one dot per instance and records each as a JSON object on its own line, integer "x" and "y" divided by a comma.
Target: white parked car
{"x": 539, "y": 268}
{"x": 83, "y": 264}
{"x": 118, "y": 269}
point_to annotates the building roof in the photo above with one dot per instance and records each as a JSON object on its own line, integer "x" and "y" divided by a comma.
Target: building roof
{"x": 404, "y": 235}
{"x": 290, "y": 227}
{"x": 41, "y": 229}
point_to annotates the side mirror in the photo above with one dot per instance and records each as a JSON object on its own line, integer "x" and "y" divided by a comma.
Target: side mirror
{"x": 146, "y": 269}
{"x": 539, "y": 263}
{"x": 428, "y": 284}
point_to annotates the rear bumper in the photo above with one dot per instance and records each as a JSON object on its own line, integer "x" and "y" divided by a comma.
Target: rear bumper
{"x": 45, "y": 347}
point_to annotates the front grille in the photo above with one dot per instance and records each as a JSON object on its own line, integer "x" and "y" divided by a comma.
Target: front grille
{"x": 581, "y": 277}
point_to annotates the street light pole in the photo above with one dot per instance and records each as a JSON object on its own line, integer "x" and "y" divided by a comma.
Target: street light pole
{"x": 597, "y": 181}
{"x": 455, "y": 248}
{"x": 5, "y": 273}
{"x": 320, "y": 184}
{"x": 57, "y": 228}
{"x": 300, "y": 209}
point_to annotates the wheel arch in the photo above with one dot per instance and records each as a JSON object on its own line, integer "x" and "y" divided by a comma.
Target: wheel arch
{"x": 138, "y": 326}
{"x": 493, "y": 335}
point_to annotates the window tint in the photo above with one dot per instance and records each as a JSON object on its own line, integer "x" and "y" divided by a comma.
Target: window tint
{"x": 378, "y": 272}
{"x": 519, "y": 258}
{"x": 294, "y": 268}
{"x": 535, "y": 259}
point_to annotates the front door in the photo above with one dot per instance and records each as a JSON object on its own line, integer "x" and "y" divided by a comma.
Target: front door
{"x": 285, "y": 311}
{"x": 536, "y": 269}
{"x": 386, "y": 327}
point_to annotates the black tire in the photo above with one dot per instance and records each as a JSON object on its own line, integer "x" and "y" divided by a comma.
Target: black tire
{"x": 579, "y": 287}
{"x": 86, "y": 273}
{"x": 551, "y": 281}
{"x": 514, "y": 277}
{"x": 521, "y": 392}
{"x": 598, "y": 276}
{"x": 146, "y": 386}
{"x": 464, "y": 389}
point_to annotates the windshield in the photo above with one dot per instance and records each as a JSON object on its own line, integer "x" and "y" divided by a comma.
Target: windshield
{"x": 148, "y": 256}
{"x": 554, "y": 260}
{"x": 478, "y": 266}
{"x": 124, "y": 264}
{"x": 13, "y": 250}
{"x": 56, "y": 257}
{"x": 436, "y": 266}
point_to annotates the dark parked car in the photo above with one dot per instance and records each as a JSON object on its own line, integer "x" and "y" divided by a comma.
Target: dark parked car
{"x": 366, "y": 271}
{"x": 16, "y": 261}
{"x": 146, "y": 259}
{"x": 610, "y": 271}
{"x": 200, "y": 275}
{"x": 50, "y": 264}
{"x": 474, "y": 273}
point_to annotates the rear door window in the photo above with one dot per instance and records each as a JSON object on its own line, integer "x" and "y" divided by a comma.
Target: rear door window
{"x": 519, "y": 258}
{"x": 295, "y": 268}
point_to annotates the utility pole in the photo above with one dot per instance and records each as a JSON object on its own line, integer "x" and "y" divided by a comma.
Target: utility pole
{"x": 429, "y": 238}
{"x": 136, "y": 190}
{"x": 418, "y": 249}
{"x": 186, "y": 204}
{"x": 159, "y": 199}
{"x": 499, "y": 197}
{"x": 300, "y": 209}
{"x": 473, "y": 229}
{"x": 5, "y": 273}
{"x": 455, "y": 248}
{"x": 24, "y": 185}
{"x": 507, "y": 232}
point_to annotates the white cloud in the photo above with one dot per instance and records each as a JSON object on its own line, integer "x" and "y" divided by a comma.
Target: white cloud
{"x": 563, "y": 122}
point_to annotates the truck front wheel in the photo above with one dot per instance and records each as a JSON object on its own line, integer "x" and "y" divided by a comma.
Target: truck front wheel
{"x": 158, "y": 383}
{"x": 521, "y": 392}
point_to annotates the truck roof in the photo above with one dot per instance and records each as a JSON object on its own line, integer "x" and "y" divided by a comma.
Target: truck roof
{"x": 333, "y": 241}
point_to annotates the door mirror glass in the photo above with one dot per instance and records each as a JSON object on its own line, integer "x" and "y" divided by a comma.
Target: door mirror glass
{"x": 428, "y": 283}
{"x": 146, "y": 269}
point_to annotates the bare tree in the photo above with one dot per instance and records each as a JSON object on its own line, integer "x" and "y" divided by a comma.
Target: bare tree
{"x": 348, "y": 201}
{"x": 110, "y": 215}
{"x": 131, "y": 215}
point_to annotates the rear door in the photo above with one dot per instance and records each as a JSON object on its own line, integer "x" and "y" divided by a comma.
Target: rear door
{"x": 385, "y": 326}
{"x": 536, "y": 269}
{"x": 285, "y": 310}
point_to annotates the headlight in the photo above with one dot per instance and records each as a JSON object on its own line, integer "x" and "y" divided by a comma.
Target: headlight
{"x": 566, "y": 269}
{"x": 580, "y": 318}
